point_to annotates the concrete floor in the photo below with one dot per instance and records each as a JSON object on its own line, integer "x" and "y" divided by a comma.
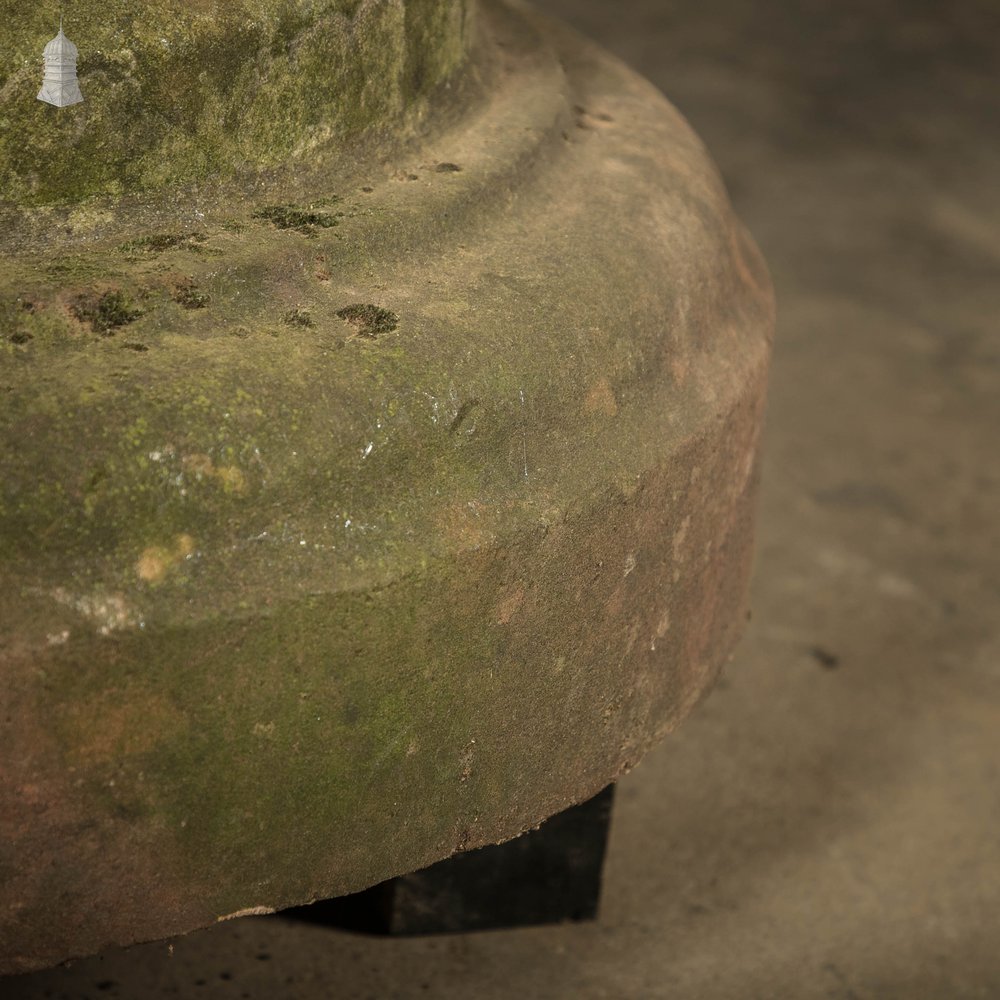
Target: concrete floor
{"x": 828, "y": 824}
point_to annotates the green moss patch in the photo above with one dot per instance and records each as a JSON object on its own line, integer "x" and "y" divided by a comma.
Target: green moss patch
{"x": 13, "y": 314}
{"x": 190, "y": 296}
{"x": 298, "y": 317}
{"x": 369, "y": 320}
{"x": 106, "y": 313}
{"x": 183, "y": 92}
{"x": 161, "y": 242}
{"x": 302, "y": 220}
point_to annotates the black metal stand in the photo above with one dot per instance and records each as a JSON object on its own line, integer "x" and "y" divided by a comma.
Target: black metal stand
{"x": 548, "y": 875}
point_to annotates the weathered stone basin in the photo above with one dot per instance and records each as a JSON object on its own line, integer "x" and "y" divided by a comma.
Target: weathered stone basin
{"x": 380, "y": 390}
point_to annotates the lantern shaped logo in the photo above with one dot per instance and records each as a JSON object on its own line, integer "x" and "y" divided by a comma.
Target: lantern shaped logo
{"x": 60, "y": 86}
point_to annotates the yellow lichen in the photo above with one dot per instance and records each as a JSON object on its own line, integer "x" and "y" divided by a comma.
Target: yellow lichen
{"x": 229, "y": 477}
{"x": 156, "y": 561}
{"x": 153, "y": 564}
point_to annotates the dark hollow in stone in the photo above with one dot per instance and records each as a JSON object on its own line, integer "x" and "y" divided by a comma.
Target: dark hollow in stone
{"x": 826, "y": 659}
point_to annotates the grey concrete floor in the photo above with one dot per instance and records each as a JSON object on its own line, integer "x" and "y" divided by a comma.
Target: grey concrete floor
{"x": 828, "y": 823}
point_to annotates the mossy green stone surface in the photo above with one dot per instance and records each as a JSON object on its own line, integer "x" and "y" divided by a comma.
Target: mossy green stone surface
{"x": 369, "y": 501}
{"x": 185, "y": 90}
